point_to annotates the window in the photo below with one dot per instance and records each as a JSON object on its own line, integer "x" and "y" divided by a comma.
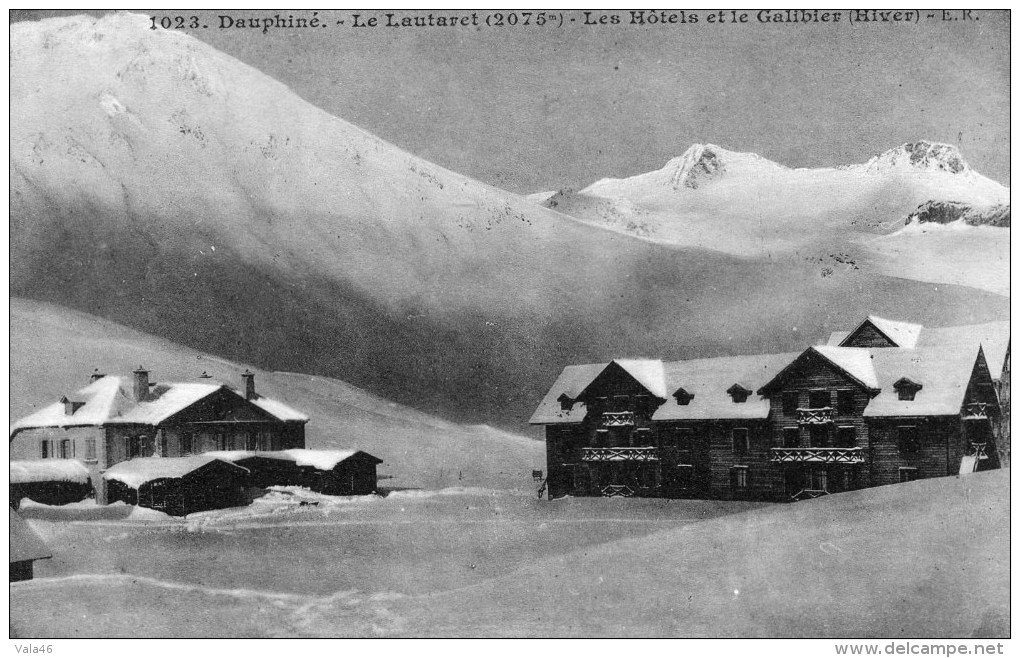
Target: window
{"x": 845, "y": 402}
{"x": 66, "y": 449}
{"x": 908, "y": 439}
{"x": 46, "y": 449}
{"x": 738, "y": 393}
{"x": 791, "y": 400}
{"x": 186, "y": 443}
{"x": 908, "y": 474}
{"x": 819, "y": 436}
{"x": 906, "y": 388}
{"x": 90, "y": 450}
{"x": 739, "y": 477}
{"x": 818, "y": 479}
{"x": 741, "y": 441}
{"x": 566, "y": 402}
{"x": 791, "y": 437}
{"x": 819, "y": 399}
{"x": 684, "y": 476}
{"x": 846, "y": 437}
{"x": 163, "y": 445}
{"x": 683, "y": 398}
{"x": 135, "y": 446}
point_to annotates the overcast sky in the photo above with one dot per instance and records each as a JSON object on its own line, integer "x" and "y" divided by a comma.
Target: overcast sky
{"x": 548, "y": 108}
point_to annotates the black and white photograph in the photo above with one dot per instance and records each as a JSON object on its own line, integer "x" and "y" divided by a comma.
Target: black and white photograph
{"x": 504, "y": 323}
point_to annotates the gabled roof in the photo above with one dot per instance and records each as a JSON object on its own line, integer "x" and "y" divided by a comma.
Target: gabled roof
{"x": 136, "y": 472}
{"x": 49, "y": 470}
{"x": 993, "y": 337}
{"x": 571, "y": 382}
{"x": 901, "y": 334}
{"x": 108, "y": 403}
{"x": 24, "y": 542}
{"x": 854, "y": 362}
{"x": 647, "y": 372}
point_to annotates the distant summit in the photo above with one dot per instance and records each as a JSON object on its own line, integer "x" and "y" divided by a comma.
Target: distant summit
{"x": 701, "y": 162}
{"x": 696, "y": 167}
{"x": 918, "y": 156}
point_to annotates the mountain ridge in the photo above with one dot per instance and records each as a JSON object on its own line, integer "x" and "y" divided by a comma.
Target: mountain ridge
{"x": 168, "y": 187}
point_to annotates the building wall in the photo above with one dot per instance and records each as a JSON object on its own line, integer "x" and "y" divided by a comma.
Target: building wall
{"x": 28, "y": 445}
{"x": 941, "y": 448}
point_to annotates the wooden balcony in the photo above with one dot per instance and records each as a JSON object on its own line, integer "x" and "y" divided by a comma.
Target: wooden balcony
{"x": 619, "y": 454}
{"x": 618, "y": 419}
{"x": 976, "y": 411}
{"x": 820, "y": 416}
{"x": 818, "y": 455}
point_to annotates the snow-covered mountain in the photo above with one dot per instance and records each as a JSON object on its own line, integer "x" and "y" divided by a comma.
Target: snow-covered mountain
{"x": 744, "y": 204}
{"x": 162, "y": 184}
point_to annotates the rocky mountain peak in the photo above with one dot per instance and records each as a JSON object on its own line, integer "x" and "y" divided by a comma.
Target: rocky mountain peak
{"x": 920, "y": 156}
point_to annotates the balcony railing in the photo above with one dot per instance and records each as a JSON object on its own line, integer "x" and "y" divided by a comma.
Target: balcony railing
{"x": 820, "y": 416}
{"x": 976, "y": 411}
{"x": 618, "y": 419}
{"x": 818, "y": 455}
{"x": 620, "y": 454}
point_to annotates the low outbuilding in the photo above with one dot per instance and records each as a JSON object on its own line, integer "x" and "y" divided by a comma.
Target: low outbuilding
{"x": 331, "y": 472}
{"x": 49, "y": 481}
{"x": 26, "y": 548}
{"x": 178, "y": 485}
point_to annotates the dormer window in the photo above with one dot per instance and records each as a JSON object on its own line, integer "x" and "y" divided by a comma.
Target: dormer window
{"x": 71, "y": 406}
{"x": 738, "y": 393}
{"x": 683, "y": 398}
{"x": 906, "y": 388}
{"x": 566, "y": 402}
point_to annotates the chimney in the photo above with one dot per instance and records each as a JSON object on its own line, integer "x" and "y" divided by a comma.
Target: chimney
{"x": 141, "y": 384}
{"x": 96, "y": 376}
{"x": 249, "y": 384}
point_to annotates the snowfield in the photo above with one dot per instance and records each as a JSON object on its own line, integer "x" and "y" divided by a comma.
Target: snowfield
{"x": 928, "y": 558}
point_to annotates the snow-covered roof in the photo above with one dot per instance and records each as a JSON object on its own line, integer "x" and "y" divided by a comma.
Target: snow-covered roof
{"x": 940, "y": 359}
{"x": 648, "y": 372}
{"x": 25, "y": 544}
{"x": 904, "y": 334}
{"x": 278, "y": 409}
{"x": 323, "y": 460}
{"x": 107, "y": 402}
{"x": 993, "y": 337}
{"x": 49, "y": 470}
{"x": 571, "y": 382}
{"x": 855, "y": 361}
{"x": 943, "y": 375}
{"x": 165, "y": 400}
{"x": 136, "y": 472}
{"x": 104, "y": 399}
{"x": 709, "y": 379}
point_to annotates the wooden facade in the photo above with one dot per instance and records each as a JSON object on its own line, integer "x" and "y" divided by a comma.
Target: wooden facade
{"x": 824, "y": 429}
{"x": 354, "y": 474}
{"x": 214, "y": 485}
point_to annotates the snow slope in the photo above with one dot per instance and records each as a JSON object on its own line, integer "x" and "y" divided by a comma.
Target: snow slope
{"x": 161, "y": 184}
{"x": 924, "y": 559}
{"x": 53, "y": 352}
